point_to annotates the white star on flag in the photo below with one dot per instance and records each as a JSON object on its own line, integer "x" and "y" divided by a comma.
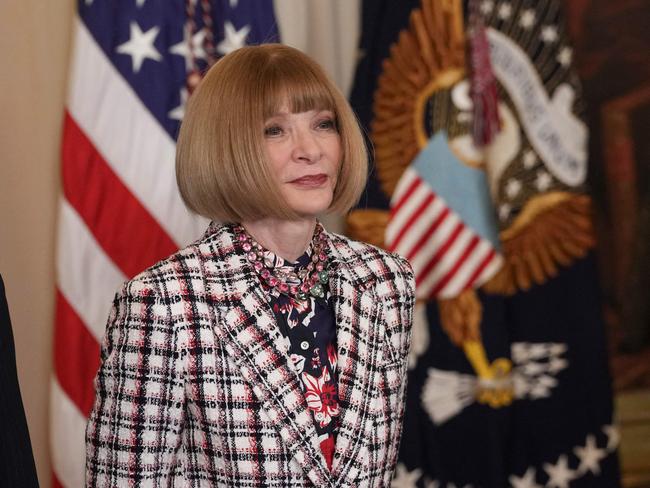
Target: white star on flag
{"x": 505, "y": 11}
{"x": 183, "y": 47}
{"x": 527, "y": 19}
{"x": 179, "y": 112}
{"x": 487, "y": 6}
{"x": 543, "y": 181}
{"x": 140, "y": 3}
{"x": 530, "y": 158}
{"x": 405, "y": 478}
{"x": 513, "y": 187}
{"x": 140, "y": 46}
{"x": 590, "y": 456}
{"x": 233, "y": 38}
{"x": 233, "y": 3}
{"x": 565, "y": 56}
{"x": 527, "y": 481}
{"x": 613, "y": 436}
{"x": 560, "y": 475}
{"x": 549, "y": 33}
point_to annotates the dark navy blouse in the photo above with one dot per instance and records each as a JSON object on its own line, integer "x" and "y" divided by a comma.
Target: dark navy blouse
{"x": 310, "y": 327}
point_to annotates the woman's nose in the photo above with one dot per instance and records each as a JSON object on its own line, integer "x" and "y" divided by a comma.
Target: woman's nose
{"x": 306, "y": 147}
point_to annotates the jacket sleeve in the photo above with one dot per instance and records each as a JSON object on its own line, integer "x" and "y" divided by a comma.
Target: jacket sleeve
{"x": 406, "y": 301}
{"x": 134, "y": 430}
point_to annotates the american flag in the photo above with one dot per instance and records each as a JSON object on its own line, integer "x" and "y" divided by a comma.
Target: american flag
{"x": 450, "y": 241}
{"x": 121, "y": 211}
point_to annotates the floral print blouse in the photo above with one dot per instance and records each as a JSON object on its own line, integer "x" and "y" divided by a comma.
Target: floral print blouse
{"x": 310, "y": 328}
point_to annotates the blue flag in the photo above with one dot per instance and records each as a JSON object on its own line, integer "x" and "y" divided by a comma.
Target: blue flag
{"x": 508, "y": 377}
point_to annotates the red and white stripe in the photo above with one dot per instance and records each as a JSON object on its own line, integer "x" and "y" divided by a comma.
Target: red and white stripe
{"x": 447, "y": 256}
{"x": 120, "y": 212}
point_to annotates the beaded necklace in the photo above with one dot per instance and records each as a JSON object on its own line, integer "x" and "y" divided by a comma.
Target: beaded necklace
{"x": 309, "y": 280}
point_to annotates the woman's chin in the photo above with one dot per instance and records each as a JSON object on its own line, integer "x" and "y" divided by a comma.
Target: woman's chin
{"x": 309, "y": 206}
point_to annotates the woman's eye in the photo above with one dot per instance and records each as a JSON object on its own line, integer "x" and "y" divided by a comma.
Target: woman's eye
{"x": 272, "y": 130}
{"x": 327, "y": 124}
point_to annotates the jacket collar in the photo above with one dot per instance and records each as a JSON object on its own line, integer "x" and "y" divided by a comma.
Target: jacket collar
{"x": 248, "y": 329}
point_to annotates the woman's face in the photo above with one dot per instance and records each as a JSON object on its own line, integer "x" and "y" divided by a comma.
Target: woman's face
{"x": 304, "y": 154}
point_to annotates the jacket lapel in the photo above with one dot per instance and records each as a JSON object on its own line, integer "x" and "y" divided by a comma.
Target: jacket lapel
{"x": 358, "y": 321}
{"x": 247, "y": 328}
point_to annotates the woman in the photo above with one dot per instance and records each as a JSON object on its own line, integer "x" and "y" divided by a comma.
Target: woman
{"x": 270, "y": 352}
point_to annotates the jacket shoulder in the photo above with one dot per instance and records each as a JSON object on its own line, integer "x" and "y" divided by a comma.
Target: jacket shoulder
{"x": 166, "y": 272}
{"x": 368, "y": 260}
{"x": 166, "y": 277}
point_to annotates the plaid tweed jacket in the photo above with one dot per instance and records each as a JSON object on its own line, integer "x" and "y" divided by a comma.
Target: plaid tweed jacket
{"x": 195, "y": 387}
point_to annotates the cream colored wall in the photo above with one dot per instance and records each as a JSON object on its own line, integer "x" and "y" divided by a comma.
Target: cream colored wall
{"x": 34, "y": 48}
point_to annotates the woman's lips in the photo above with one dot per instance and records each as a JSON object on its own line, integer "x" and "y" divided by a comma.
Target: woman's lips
{"x": 310, "y": 181}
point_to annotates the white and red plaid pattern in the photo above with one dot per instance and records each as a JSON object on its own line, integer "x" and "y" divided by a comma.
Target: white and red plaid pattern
{"x": 447, "y": 256}
{"x": 195, "y": 386}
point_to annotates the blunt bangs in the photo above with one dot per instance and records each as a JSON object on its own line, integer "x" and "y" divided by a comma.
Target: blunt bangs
{"x": 297, "y": 84}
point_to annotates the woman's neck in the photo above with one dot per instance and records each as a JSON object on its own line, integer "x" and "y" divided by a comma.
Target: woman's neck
{"x": 287, "y": 238}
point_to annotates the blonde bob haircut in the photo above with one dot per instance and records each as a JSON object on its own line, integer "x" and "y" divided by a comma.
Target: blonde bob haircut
{"x": 221, "y": 164}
